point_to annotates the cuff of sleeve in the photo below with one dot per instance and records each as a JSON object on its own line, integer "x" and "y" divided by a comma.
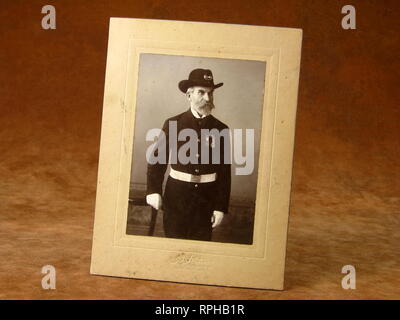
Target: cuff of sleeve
{"x": 224, "y": 210}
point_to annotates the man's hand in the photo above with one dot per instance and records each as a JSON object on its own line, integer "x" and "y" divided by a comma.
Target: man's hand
{"x": 154, "y": 200}
{"x": 216, "y": 218}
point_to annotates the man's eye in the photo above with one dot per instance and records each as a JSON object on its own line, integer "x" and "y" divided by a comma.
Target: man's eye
{"x": 201, "y": 92}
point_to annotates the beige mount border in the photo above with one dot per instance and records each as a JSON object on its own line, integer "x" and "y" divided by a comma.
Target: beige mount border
{"x": 260, "y": 265}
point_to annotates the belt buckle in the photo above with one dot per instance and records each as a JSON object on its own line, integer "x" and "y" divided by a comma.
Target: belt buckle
{"x": 194, "y": 178}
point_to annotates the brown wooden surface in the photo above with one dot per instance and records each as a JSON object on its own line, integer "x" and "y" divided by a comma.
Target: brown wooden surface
{"x": 345, "y": 200}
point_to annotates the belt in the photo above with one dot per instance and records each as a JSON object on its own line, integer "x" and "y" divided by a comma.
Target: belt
{"x": 187, "y": 177}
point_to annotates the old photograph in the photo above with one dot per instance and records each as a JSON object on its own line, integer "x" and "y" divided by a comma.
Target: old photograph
{"x": 195, "y": 148}
{"x": 196, "y": 152}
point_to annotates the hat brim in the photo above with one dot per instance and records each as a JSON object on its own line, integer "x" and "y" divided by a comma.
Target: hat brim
{"x": 186, "y": 84}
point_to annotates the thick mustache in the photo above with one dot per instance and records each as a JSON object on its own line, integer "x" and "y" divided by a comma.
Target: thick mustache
{"x": 208, "y": 105}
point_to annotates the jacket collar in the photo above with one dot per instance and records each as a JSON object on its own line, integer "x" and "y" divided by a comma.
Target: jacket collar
{"x": 190, "y": 117}
{"x": 195, "y": 114}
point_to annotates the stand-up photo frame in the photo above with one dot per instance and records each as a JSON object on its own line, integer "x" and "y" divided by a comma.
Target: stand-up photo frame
{"x": 196, "y": 152}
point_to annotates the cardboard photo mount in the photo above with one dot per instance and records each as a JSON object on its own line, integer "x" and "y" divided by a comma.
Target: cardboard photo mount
{"x": 259, "y": 265}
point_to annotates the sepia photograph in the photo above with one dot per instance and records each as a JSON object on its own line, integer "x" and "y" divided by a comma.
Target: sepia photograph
{"x": 196, "y": 153}
{"x": 195, "y": 148}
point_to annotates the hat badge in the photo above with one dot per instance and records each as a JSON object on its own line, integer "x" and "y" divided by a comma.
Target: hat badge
{"x": 207, "y": 77}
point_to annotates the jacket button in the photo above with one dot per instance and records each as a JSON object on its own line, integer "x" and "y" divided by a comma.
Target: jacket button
{"x": 196, "y": 185}
{"x": 196, "y": 170}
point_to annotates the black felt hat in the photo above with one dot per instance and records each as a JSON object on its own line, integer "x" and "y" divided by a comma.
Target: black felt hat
{"x": 199, "y": 77}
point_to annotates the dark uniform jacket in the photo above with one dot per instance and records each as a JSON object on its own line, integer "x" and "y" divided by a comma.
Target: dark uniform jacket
{"x": 222, "y": 185}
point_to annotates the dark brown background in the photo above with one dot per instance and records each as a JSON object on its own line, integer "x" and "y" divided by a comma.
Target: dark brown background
{"x": 345, "y": 200}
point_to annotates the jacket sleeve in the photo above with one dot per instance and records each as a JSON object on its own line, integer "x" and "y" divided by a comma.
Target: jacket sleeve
{"x": 157, "y": 162}
{"x": 224, "y": 179}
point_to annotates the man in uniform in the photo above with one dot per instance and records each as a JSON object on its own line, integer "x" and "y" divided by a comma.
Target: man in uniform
{"x": 197, "y": 192}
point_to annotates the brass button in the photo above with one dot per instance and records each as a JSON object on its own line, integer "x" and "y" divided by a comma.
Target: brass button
{"x": 196, "y": 185}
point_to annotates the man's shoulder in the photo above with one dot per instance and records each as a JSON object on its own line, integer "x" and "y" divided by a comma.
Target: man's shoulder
{"x": 218, "y": 123}
{"x": 176, "y": 117}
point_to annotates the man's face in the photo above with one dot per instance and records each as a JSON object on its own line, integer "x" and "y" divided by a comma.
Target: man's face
{"x": 201, "y": 99}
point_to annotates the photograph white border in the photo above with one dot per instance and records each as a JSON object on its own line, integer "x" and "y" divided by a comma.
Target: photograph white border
{"x": 260, "y": 265}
